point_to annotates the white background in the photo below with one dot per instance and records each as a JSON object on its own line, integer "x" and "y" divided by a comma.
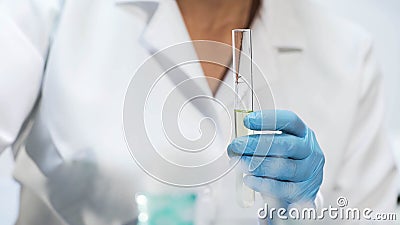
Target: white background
{"x": 380, "y": 17}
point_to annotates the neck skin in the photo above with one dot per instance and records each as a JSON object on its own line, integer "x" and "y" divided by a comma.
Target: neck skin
{"x": 214, "y": 20}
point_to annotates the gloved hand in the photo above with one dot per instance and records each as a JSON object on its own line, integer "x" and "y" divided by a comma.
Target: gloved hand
{"x": 287, "y": 167}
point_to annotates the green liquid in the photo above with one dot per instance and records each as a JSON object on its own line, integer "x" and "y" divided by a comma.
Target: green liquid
{"x": 244, "y": 195}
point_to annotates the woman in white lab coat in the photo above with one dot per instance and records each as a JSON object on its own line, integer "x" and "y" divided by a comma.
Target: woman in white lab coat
{"x": 65, "y": 67}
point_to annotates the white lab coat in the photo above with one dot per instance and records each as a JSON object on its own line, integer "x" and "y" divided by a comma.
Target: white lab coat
{"x": 79, "y": 56}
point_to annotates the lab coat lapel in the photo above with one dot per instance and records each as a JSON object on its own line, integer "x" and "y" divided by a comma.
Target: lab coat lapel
{"x": 283, "y": 25}
{"x": 279, "y": 39}
{"x": 166, "y": 28}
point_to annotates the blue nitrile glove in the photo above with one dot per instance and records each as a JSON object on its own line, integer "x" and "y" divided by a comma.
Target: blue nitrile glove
{"x": 287, "y": 167}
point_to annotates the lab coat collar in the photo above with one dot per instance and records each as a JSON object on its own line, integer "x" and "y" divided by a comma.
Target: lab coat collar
{"x": 165, "y": 25}
{"x": 279, "y": 16}
{"x": 165, "y": 28}
{"x": 283, "y": 25}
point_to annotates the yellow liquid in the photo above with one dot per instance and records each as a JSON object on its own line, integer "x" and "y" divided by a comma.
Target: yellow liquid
{"x": 240, "y": 129}
{"x": 244, "y": 195}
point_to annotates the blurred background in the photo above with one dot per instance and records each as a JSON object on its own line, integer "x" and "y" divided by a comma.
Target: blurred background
{"x": 381, "y": 18}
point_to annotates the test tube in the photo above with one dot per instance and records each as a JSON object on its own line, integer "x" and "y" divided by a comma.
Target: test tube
{"x": 244, "y": 101}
